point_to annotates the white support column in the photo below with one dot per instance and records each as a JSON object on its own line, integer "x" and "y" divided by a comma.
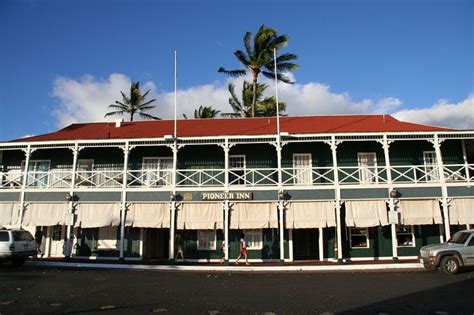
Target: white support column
{"x": 126, "y": 152}
{"x": 69, "y": 225}
{"x": 290, "y": 244}
{"x": 466, "y": 163}
{"x": 391, "y": 202}
{"x": 28, "y": 153}
{"x": 444, "y": 188}
{"x": 173, "y": 200}
{"x": 337, "y": 203}
{"x": 226, "y": 232}
{"x": 281, "y": 205}
{"x": 226, "y": 148}
{"x": 321, "y": 244}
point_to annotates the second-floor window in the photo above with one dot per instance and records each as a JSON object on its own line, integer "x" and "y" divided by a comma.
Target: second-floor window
{"x": 367, "y": 167}
{"x": 431, "y": 166}
{"x": 38, "y": 173}
{"x": 237, "y": 169}
{"x": 302, "y": 164}
{"x": 157, "y": 171}
{"x": 84, "y": 175}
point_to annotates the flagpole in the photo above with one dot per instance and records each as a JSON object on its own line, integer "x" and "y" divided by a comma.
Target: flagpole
{"x": 278, "y": 148}
{"x": 175, "y": 90}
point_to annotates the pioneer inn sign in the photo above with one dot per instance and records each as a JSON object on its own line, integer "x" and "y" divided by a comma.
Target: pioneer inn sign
{"x": 320, "y": 188}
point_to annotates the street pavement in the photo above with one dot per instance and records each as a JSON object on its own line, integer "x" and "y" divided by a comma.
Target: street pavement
{"x": 35, "y": 289}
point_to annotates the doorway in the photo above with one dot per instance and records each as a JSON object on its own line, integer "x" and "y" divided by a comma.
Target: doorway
{"x": 305, "y": 244}
{"x": 156, "y": 243}
{"x": 56, "y": 237}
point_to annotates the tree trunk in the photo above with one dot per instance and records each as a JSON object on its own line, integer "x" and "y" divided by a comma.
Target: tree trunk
{"x": 131, "y": 116}
{"x": 254, "y": 96}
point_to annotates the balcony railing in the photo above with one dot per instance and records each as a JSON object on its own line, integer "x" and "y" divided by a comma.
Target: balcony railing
{"x": 250, "y": 177}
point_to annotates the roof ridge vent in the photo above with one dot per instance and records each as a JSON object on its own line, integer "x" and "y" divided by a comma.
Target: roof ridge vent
{"x": 118, "y": 122}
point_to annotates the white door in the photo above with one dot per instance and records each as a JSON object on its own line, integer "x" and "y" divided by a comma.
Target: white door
{"x": 431, "y": 166}
{"x": 56, "y": 236}
{"x": 302, "y": 165}
{"x": 367, "y": 167}
{"x": 157, "y": 171}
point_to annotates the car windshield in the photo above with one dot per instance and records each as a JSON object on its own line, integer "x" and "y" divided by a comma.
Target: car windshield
{"x": 459, "y": 238}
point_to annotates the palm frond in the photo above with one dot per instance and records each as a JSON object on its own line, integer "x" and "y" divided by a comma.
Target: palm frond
{"x": 244, "y": 59}
{"x": 280, "y": 77}
{"x": 232, "y": 73}
{"x": 148, "y": 116}
{"x": 247, "y": 43}
{"x": 119, "y": 112}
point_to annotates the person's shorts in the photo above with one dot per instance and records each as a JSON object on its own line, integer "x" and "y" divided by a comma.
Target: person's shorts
{"x": 243, "y": 251}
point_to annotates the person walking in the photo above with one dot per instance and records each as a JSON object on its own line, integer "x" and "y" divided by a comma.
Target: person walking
{"x": 180, "y": 245}
{"x": 39, "y": 240}
{"x": 243, "y": 250}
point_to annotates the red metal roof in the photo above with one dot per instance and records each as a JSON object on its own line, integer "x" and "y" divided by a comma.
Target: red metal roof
{"x": 234, "y": 127}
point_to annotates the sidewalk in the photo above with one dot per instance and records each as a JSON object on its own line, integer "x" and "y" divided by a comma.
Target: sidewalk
{"x": 253, "y": 267}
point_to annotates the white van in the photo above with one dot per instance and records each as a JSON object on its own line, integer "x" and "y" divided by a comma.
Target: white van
{"x": 16, "y": 246}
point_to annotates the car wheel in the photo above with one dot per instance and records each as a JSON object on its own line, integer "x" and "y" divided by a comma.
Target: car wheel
{"x": 18, "y": 261}
{"x": 450, "y": 265}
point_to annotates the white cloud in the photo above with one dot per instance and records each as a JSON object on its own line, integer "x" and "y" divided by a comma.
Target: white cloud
{"x": 86, "y": 100}
{"x": 455, "y": 115}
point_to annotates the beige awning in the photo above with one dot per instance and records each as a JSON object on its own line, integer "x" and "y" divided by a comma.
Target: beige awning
{"x": 93, "y": 215}
{"x": 45, "y": 214}
{"x": 461, "y": 211}
{"x": 148, "y": 215}
{"x": 420, "y": 212}
{"x": 200, "y": 216}
{"x": 307, "y": 215}
{"x": 253, "y": 216}
{"x": 366, "y": 213}
{"x": 8, "y": 214}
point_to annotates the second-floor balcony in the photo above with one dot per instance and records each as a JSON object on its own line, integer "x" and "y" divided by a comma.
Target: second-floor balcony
{"x": 115, "y": 177}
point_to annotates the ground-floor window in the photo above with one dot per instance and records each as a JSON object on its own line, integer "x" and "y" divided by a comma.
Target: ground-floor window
{"x": 254, "y": 239}
{"x": 405, "y": 236}
{"x": 359, "y": 237}
{"x": 206, "y": 240}
{"x": 107, "y": 238}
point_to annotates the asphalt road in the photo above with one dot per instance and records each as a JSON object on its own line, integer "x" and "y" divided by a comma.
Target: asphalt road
{"x": 75, "y": 291}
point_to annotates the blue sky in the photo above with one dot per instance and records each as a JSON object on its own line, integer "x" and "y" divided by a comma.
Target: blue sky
{"x": 65, "y": 61}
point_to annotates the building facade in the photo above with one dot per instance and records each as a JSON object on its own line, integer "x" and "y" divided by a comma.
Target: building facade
{"x": 321, "y": 188}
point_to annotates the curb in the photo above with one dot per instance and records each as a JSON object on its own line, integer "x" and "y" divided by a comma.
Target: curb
{"x": 380, "y": 267}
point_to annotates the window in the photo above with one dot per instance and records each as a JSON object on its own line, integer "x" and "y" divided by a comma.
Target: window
{"x": 302, "y": 169}
{"x": 359, "y": 237}
{"x": 405, "y": 236}
{"x": 38, "y": 172}
{"x": 84, "y": 172}
{"x": 157, "y": 171}
{"x": 237, "y": 169}
{"x": 4, "y": 237}
{"x": 57, "y": 233}
{"x": 206, "y": 240}
{"x": 431, "y": 166}
{"x": 367, "y": 167}
{"x": 254, "y": 239}
{"x": 107, "y": 238}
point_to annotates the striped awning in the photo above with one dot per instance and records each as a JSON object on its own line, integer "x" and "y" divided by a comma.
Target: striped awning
{"x": 420, "y": 212}
{"x": 8, "y": 214}
{"x": 307, "y": 215}
{"x": 461, "y": 211}
{"x": 45, "y": 214}
{"x": 253, "y": 216}
{"x": 148, "y": 215}
{"x": 366, "y": 213}
{"x": 200, "y": 216}
{"x": 93, "y": 215}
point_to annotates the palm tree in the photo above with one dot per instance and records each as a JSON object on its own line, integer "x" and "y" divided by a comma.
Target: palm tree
{"x": 135, "y": 103}
{"x": 259, "y": 59}
{"x": 206, "y": 112}
{"x": 243, "y": 108}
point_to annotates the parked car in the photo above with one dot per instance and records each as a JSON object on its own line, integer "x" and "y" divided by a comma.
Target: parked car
{"x": 452, "y": 255}
{"x": 16, "y": 246}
